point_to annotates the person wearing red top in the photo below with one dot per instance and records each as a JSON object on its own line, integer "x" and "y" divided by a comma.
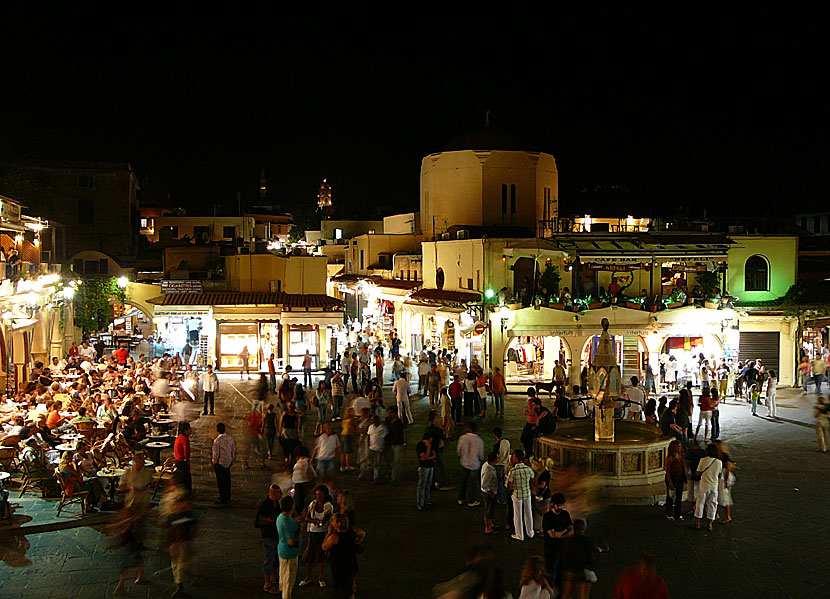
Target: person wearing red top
{"x": 181, "y": 453}
{"x": 455, "y": 392}
{"x": 121, "y": 354}
{"x": 704, "y": 417}
{"x": 642, "y": 582}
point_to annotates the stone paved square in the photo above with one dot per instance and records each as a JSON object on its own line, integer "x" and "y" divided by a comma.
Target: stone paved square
{"x": 772, "y": 549}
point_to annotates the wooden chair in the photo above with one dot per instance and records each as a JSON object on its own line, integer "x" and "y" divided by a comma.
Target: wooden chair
{"x": 164, "y": 473}
{"x": 123, "y": 451}
{"x": 86, "y": 428}
{"x": 8, "y": 455}
{"x": 33, "y": 479}
{"x": 77, "y": 497}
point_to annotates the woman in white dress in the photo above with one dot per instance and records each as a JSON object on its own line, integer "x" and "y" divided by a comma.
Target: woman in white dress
{"x": 671, "y": 373}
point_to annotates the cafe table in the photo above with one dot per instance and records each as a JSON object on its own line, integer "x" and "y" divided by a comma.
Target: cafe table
{"x": 156, "y": 447}
{"x": 66, "y": 447}
{"x": 112, "y": 474}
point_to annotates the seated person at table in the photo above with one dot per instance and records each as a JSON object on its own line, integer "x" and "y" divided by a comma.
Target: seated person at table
{"x": 86, "y": 467}
{"x": 34, "y": 458}
{"x": 73, "y": 480}
{"x": 81, "y": 417}
{"x": 57, "y": 365}
{"x": 134, "y": 430}
{"x": 110, "y": 374}
{"x": 106, "y": 411}
{"x": 34, "y": 375}
{"x": 54, "y": 420}
{"x": 72, "y": 365}
{"x": 41, "y": 393}
{"x": 46, "y": 378}
{"x": 42, "y": 431}
{"x": 19, "y": 429}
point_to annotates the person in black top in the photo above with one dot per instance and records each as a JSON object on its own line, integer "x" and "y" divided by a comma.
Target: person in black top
{"x": 546, "y": 423}
{"x": 342, "y": 543}
{"x": 579, "y": 562}
{"x": 395, "y": 440}
{"x": 435, "y": 433}
{"x": 426, "y": 462}
{"x": 267, "y": 513}
{"x": 562, "y": 405}
{"x": 668, "y": 423}
{"x": 556, "y": 527}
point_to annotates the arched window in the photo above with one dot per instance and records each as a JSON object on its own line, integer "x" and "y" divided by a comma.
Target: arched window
{"x": 439, "y": 278}
{"x": 504, "y": 198}
{"x": 756, "y": 274}
{"x": 512, "y": 198}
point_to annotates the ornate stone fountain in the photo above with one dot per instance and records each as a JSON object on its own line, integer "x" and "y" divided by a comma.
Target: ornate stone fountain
{"x": 624, "y": 457}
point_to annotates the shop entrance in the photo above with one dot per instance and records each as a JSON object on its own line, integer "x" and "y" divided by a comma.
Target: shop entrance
{"x": 233, "y": 337}
{"x": 680, "y": 357}
{"x": 532, "y": 358}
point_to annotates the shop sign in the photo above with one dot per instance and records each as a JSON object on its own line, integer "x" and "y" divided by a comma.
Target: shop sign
{"x": 617, "y": 267}
{"x": 184, "y": 286}
{"x": 636, "y": 332}
{"x": 181, "y": 313}
{"x": 684, "y": 268}
{"x": 560, "y": 333}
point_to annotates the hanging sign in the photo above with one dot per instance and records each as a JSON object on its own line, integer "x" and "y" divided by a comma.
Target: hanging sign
{"x": 183, "y": 286}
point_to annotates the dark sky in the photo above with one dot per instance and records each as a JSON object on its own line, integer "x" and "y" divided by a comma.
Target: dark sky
{"x": 645, "y": 112}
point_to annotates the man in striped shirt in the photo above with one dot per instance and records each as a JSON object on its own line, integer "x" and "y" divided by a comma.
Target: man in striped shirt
{"x": 518, "y": 482}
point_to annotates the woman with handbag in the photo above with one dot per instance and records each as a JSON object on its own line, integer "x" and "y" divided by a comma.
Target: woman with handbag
{"x": 675, "y": 480}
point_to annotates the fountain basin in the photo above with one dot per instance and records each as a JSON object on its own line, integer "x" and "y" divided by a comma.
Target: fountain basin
{"x": 628, "y": 471}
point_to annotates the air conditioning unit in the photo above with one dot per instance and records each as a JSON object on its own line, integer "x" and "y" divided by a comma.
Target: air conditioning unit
{"x": 462, "y": 234}
{"x": 243, "y": 250}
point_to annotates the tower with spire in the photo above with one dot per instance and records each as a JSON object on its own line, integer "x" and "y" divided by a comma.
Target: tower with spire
{"x": 263, "y": 185}
{"x": 324, "y": 205}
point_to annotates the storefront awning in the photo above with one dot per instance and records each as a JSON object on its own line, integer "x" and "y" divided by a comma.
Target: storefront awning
{"x": 223, "y": 313}
{"x": 419, "y": 308}
{"x": 311, "y": 318}
{"x": 446, "y": 297}
{"x": 450, "y": 313}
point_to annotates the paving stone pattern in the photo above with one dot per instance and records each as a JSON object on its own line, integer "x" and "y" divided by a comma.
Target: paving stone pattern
{"x": 775, "y": 547}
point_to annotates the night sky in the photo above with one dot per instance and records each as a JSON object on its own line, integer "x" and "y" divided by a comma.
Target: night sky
{"x": 645, "y": 113}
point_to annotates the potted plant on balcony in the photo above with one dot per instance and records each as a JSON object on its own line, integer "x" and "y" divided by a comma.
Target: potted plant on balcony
{"x": 708, "y": 282}
{"x": 675, "y": 300}
{"x": 635, "y": 303}
{"x": 556, "y": 303}
{"x": 593, "y": 303}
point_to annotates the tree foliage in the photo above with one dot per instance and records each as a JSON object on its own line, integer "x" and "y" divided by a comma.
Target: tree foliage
{"x": 93, "y": 303}
{"x": 295, "y": 234}
{"x": 549, "y": 281}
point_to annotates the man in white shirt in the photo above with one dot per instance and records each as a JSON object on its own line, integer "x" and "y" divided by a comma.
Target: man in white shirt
{"x": 326, "y": 452}
{"x": 637, "y": 396}
{"x": 377, "y": 434}
{"x": 222, "y": 456}
{"x": 706, "y": 502}
{"x": 471, "y": 451}
{"x": 401, "y": 390}
{"x": 210, "y": 383}
{"x": 86, "y": 351}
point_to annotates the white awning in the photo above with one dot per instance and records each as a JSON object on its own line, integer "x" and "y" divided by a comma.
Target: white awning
{"x": 310, "y": 318}
{"x": 419, "y": 308}
{"x": 222, "y": 313}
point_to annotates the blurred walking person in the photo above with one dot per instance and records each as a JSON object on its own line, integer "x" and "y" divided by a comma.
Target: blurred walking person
{"x": 181, "y": 528}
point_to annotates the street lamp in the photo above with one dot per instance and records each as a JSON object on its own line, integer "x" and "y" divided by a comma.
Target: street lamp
{"x": 122, "y": 282}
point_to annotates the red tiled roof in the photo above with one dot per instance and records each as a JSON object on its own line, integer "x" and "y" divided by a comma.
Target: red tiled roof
{"x": 395, "y": 283}
{"x": 447, "y": 297}
{"x": 238, "y": 298}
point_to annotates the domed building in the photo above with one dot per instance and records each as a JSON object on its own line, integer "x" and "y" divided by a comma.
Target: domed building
{"x": 486, "y": 177}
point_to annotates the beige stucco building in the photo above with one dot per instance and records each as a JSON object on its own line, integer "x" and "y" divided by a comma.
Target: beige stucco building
{"x": 486, "y": 179}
